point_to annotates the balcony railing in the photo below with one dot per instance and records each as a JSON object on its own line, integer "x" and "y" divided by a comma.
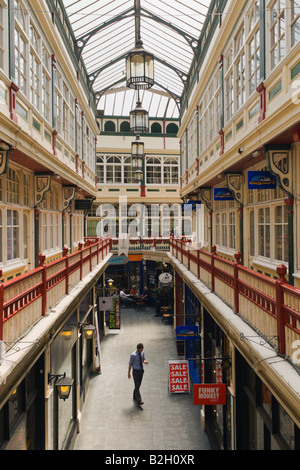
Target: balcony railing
{"x": 144, "y": 243}
{"x": 271, "y": 306}
{"x": 26, "y": 298}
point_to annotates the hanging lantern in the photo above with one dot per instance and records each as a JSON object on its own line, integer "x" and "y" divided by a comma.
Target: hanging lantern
{"x": 139, "y": 119}
{"x": 137, "y": 159}
{"x": 139, "y": 68}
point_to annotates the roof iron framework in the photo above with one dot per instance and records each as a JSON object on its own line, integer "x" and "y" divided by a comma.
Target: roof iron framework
{"x": 105, "y": 32}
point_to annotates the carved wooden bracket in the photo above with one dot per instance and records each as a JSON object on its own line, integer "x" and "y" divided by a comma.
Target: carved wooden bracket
{"x": 234, "y": 182}
{"x": 206, "y": 195}
{"x": 68, "y": 196}
{"x": 4, "y": 157}
{"x": 279, "y": 163}
{"x": 42, "y": 184}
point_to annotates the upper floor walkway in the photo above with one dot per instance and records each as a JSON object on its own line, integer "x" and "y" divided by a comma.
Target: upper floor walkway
{"x": 270, "y": 306}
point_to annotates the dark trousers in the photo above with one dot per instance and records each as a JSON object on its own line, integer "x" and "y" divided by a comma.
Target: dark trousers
{"x": 137, "y": 377}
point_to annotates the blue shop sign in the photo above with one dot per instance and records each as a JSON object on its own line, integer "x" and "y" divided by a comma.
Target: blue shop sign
{"x": 261, "y": 180}
{"x": 190, "y": 205}
{"x": 187, "y": 332}
{"x": 223, "y": 194}
{"x": 118, "y": 259}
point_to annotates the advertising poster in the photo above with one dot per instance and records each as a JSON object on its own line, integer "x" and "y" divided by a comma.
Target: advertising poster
{"x": 179, "y": 381}
{"x": 114, "y": 315}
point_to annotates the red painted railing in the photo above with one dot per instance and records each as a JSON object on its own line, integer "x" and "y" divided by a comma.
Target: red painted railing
{"x": 248, "y": 290}
{"x": 42, "y": 287}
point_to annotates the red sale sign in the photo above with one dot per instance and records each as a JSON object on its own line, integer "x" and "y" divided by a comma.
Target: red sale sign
{"x": 179, "y": 381}
{"x": 209, "y": 394}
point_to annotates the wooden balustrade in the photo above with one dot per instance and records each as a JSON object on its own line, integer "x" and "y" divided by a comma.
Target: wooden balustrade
{"x": 24, "y": 299}
{"x": 271, "y": 306}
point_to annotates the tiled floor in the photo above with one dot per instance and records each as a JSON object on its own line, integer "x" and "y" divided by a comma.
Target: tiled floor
{"x": 111, "y": 420}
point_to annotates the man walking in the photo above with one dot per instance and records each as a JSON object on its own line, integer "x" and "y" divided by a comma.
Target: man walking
{"x": 136, "y": 363}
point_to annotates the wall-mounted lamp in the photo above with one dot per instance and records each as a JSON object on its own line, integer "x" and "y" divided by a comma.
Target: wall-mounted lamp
{"x": 63, "y": 384}
{"x": 88, "y": 331}
{"x": 257, "y": 153}
{"x": 110, "y": 282}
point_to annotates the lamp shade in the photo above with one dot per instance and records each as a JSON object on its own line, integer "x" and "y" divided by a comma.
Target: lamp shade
{"x": 89, "y": 331}
{"x": 139, "y": 68}
{"x": 139, "y": 119}
{"x": 137, "y": 154}
{"x": 138, "y": 176}
{"x": 63, "y": 386}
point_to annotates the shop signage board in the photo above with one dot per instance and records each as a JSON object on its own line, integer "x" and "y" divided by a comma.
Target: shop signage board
{"x": 187, "y": 332}
{"x": 114, "y": 315}
{"x": 118, "y": 259}
{"x": 223, "y": 194}
{"x": 105, "y": 303}
{"x": 179, "y": 380}
{"x": 261, "y": 180}
{"x": 209, "y": 394}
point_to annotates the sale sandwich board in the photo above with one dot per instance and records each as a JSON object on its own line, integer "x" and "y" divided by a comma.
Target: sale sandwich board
{"x": 179, "y": 379}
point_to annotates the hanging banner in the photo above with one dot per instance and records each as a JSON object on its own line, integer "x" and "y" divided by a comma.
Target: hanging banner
{"x": 223, "y": 194}
{"x": 261, "y": 180}
{"x": 209, "y": 394}
{"x": 187, "y": 332}
{"x": 114, "y": 314}
{"x": 179, "y": 381}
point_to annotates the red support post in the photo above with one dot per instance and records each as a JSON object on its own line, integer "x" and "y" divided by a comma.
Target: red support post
{"x": 81, "y": 260}
{"x": 236, "y": 281}
{"x": 42, "y": 259}
{"x": 65, "y": 254}
{"x": 281, "y": 271}
{"x": 213, "y": 254}
{"x": 1, "y": 307}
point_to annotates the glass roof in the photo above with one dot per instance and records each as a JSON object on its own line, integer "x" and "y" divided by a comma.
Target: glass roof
{"x": 105, "y": 33}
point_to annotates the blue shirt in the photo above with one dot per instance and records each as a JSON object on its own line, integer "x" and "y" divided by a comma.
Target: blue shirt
{"x": 134, "y": 360}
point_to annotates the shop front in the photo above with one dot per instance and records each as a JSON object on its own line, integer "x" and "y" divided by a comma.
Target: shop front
{"x": 262, "y": 423}
{"x": 216, "y": 366}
